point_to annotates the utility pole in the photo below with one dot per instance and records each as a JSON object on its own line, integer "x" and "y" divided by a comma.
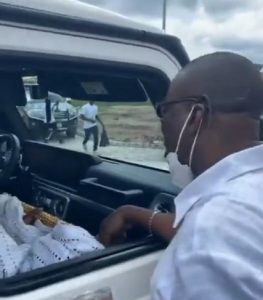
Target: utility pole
{"x": 164, "y": 14}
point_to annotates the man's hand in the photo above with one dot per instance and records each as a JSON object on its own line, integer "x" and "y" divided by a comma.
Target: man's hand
{"x": 113, "y": 229}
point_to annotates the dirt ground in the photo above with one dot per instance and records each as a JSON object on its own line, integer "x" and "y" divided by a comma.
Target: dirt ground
{"x": 143, "y": 156}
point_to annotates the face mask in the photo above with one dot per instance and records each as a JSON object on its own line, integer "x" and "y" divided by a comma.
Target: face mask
{"x": 182, "y": 174}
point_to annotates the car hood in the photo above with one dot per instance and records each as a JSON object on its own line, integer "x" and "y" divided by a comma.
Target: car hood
{"x": 38, "y": 111}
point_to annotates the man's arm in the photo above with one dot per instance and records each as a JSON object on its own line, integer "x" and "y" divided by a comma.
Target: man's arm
{"x": 162, "y": 223}
{"x": 86, "y": 119}
{"x": 116, "y": 225}
{"x": 99, "y": 120}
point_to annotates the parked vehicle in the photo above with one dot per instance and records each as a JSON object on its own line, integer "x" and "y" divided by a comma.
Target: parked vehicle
{"x": 82, "y": 52}
{"x": 64, "y": 115}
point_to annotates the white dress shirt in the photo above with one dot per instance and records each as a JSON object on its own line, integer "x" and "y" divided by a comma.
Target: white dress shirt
{"x": 217, "y": 253}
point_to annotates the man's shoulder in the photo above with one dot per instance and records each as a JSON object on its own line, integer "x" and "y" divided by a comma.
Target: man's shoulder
{"x": 245, "y": 190}
{"x": 234, "y": 199}
{"x": 236, "y": 191}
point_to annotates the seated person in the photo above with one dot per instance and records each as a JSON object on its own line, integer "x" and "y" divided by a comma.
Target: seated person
{"x": 31, "y": 239}
{"x": 210, "y": 121}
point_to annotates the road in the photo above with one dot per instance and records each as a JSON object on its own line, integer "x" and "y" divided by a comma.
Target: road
{"x": 144, "y": 156}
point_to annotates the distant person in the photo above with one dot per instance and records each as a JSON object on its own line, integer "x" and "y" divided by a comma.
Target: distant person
{"x": 55, "y": 107}
{"x": 89, "y": 113}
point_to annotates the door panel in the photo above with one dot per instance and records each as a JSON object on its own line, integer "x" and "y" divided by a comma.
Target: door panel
{"x": 110, "y": 183}
{"x": 141, "y": 184}
{"x": 129, "y": 280}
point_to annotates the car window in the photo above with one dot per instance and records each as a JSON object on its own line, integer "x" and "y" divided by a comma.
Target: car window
{"x": 126, "y": 131}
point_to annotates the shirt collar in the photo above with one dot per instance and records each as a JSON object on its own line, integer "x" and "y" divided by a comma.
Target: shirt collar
{"x": 232, "y": 166}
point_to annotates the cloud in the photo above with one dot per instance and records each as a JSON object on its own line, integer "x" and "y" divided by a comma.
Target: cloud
{"x": 250, "y": 48}
{"x": 145, "y": 8}
{"x": 148, "y": 9}
{"x": 188, "y": 4}
{"x": 204, "y": 26}
{"x": 225, "y": 8}
{"x": 242, "y": 33}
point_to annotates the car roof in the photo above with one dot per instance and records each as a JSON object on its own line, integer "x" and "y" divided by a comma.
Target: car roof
{"x": 73, "y": 15}
{"x": 80, "y": 10}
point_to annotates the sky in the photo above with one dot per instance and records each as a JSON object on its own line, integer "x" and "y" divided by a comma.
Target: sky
{"x": 204, "y": 26}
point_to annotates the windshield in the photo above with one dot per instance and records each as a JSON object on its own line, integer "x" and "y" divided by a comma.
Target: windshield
{"x": 39, "y": 104}
{"x": 36, "y": 104}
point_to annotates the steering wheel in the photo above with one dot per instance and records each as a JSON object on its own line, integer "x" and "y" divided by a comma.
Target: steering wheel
{"x": 9, "y": 155}
{"x": 163, "y": 202}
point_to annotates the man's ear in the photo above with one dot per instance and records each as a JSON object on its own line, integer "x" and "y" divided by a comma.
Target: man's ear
{"x": 196, "y": 118}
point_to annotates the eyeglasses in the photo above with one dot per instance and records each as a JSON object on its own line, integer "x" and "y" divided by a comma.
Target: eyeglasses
{"x": 163, "y": 107}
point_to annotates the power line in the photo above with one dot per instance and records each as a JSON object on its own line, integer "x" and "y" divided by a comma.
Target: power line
{"x": 164, "y": 14}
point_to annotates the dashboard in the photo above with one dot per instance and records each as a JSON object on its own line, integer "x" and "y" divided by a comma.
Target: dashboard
{"x": 52, "y": 200}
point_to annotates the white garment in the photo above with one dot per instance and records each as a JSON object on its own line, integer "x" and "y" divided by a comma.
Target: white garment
{"x": 89, "y": 111}
{"x": 217, "y": 253}
{"x": 25, "y": 247}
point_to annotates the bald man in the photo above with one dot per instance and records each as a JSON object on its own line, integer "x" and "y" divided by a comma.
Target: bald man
{"x": 210, "y": 123}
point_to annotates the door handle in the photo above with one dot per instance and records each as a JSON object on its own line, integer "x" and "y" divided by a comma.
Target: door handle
{"x": 101, "y": 294}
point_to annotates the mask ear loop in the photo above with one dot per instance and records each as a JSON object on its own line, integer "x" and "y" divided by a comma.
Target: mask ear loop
{"x": 194, "y": 144}
{"x": 183, "y": 129}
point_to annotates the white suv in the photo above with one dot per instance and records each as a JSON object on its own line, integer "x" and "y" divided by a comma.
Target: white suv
{"x": 84, "y": 53}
